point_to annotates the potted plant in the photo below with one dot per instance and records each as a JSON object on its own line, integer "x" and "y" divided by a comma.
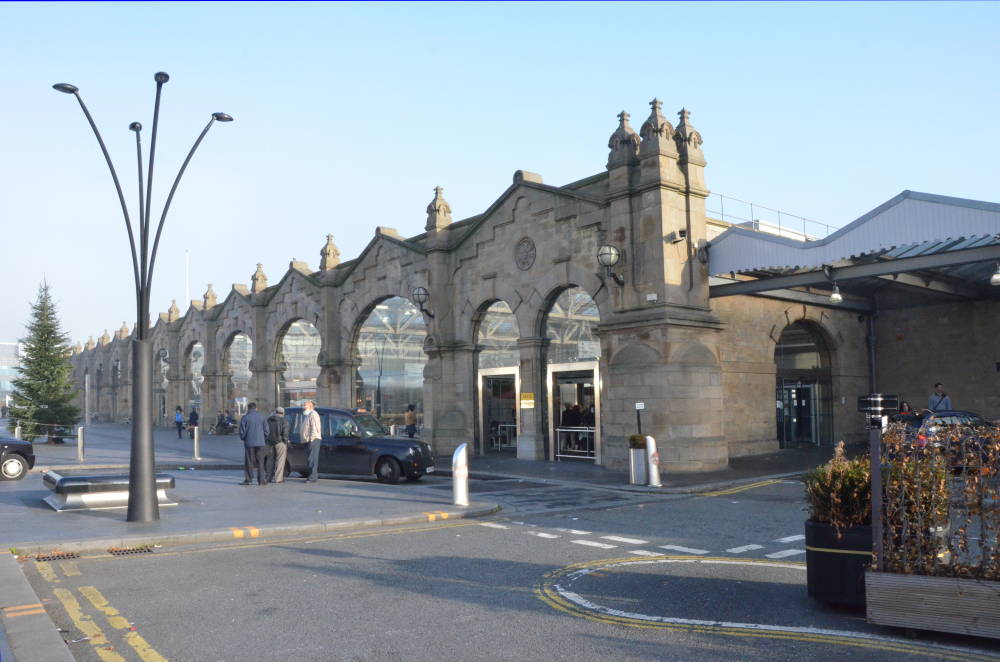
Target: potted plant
{"x": 838, "y": 531}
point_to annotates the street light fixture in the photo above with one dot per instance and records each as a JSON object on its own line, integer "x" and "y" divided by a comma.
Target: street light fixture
{"x": 422, "y": 296}
{"x": 608, "y": 256}
{"x": 142, "y": 503}
{"x": 835, "y": 296}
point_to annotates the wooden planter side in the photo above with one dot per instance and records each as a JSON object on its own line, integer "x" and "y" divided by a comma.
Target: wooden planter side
{"x": 941, "y": 604}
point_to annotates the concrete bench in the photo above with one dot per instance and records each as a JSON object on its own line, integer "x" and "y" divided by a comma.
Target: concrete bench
{"x": 97, "y": 492}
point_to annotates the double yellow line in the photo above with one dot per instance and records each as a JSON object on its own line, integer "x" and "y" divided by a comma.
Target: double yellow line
{"x": 23, "y": 610}
{"x": 740, "y": 488}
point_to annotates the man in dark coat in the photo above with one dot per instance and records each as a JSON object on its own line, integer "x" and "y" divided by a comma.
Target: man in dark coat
{"x": 192, "y": 421}
{"x": 277, "y": 441}
{"x": 253, "y": 432}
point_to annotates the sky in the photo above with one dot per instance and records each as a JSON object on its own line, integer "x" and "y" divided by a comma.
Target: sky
{"x": 348, "y": 115}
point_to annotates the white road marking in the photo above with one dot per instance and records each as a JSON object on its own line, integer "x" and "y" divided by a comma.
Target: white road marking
{"x": 493, "y": 525}
{"x": 575, "y": 532}
{"x": 744, "y": 548}
{"x": 785, "y": 552}
{"x": 593, "y": 543}
{"x": 542, "y": 534}
{"x": 631, "y": 541}
{"x": 791, "y": 538}
{"x": 684, "y": 550}
{"x": 643, "y": 552}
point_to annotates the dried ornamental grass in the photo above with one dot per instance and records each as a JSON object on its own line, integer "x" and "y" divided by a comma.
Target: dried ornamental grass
{"x": 839, "y": 492}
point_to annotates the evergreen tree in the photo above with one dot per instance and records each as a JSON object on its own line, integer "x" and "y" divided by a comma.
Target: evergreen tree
{"x": 43, "y": 392}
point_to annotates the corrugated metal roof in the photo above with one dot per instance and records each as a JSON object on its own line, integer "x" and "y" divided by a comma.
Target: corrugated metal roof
{"x": 910, "y": 224}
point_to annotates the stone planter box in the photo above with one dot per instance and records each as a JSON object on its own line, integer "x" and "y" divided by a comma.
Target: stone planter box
{"x": 941, "y": 604}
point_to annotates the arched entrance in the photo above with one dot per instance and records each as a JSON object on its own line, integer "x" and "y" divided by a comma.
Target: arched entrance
{"x": 390, "y": 344}
{"x": 297, "y": 358}
{"x": 236, "y": 370}
{"x": 804, "y": 387}
{"x": 498, "y": 379}
{"x": 573, "y": 377}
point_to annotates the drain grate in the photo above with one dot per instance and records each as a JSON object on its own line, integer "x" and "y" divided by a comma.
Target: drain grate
{"x": 126, "y": 551}
{"x": 57, "y": 556}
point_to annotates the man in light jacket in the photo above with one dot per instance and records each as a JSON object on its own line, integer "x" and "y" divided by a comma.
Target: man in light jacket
{"x": 311, "y": 433}
{"x": 253, "y": 432}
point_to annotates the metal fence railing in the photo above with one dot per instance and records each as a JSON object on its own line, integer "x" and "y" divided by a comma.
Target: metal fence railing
{"x": 765, "y": 219}
{"x": 575, "y": 442}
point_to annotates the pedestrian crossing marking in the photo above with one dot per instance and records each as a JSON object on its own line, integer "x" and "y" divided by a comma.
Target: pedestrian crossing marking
{"x": 784, "y": 553}
{"x": 684, "y": 550}
{"x": 744, "y": 548}
{"x": 494, "y": 525}
{"x": 575, "y": 532}
{"x": 791, "y": 538}
{"x": 542, "y": 534}
{"x": 630, "y": 541}
{"x": 643, "y": 552}
{"x": 593, "y": 543}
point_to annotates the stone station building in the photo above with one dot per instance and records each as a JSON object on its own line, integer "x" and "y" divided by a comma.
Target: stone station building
{"x": 507, "y": 331}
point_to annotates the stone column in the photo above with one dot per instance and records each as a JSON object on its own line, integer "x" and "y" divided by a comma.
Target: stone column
{"x": 531, "y": 440}
{"x": 335, "y": 386}
{"x": 449, "y": 398}
{"x": 264, "y": 386}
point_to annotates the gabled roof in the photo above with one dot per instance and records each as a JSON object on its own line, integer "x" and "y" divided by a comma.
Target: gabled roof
{"x": 909, "y": 219}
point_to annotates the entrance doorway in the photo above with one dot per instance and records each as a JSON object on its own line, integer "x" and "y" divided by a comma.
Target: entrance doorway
{"x": 799, "y": 414}
{"x": 804, "y": 387}
{"x": 574, "y": 409}
{"x": 499, "y": 415}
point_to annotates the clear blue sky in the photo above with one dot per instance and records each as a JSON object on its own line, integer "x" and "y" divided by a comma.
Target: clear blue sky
{"x": 347, "y": 115}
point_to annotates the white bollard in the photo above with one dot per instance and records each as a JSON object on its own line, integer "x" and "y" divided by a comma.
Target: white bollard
{"x": 197, "y": 442}
{"x": 79, "y": 444}
{"x": 653, "y": 461}
{"x": 17, "y": 431}
{"x": 460, "y": 475}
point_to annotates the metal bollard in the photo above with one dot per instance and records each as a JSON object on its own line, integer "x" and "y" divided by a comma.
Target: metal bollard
{"x": 18, "y": 432}
{"x": 460, "y": 475}
{"x": 79, "y": 444}
{"x": 197, "y": 442}
{"x": 653, "y": 462}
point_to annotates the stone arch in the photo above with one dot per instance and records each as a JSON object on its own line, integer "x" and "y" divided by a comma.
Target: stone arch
{"x": 295, "y": 369}
{"x": 635, "y": 355}
{"x": 804, "y": 383}
{"x": 693, "y": 353}
{"x": 488, "y": 293}
{"x": 296, "y": 299}
{"x": 499, "y": 350}
{"x": 552, "y": 284}
{"x": 818, "y": 321}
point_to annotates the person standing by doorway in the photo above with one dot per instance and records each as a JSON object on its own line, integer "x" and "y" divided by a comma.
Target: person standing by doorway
{"x": 939, "y": 400}
{"x": 277, "y": 440}
{"x": 192, "y": 421}
{"x": 253, "y": 432}
{"x": 410, "y": 420}
{"x": 179, "y": 421}
{"x": 312, "y": 434}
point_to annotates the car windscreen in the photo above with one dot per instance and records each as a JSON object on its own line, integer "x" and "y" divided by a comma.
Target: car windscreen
{"x": 370, "y": 426}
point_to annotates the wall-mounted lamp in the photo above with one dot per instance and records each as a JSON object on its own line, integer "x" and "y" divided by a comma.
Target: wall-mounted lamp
{"x": 835, "y": 296}
{"x": 608, "y": 256}
{"x": 995, "y": 278}
{"x": 420, "y": 297}
{"x": 676, "y": 236}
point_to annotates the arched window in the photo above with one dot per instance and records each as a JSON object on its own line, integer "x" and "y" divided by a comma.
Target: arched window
{"x": 298, "y": 354}
{"x": 497, "y": 335}
{"x": 571, "y": 327}
{"x": 236, "y": 364}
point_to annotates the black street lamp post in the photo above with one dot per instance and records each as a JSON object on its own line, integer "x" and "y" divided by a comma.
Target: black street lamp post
{"x": 142, "y": 503}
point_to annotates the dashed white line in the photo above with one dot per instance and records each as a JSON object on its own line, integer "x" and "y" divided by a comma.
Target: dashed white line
{"x": 493, "y": 525}
{"x": 791, "y": 538}
{"x": 744, "y": 548}
{"x": 785, "y": 552}
{"x": 593, "y": 543}
{"x": 643, "y": 552}
{"x": 630, "y": 541}
{"x": 542, "y": 534}
{"x": 684, "y": 550}
{"x": 575, "y": 532}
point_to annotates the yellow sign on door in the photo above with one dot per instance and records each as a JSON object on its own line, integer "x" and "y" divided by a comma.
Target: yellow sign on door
{"x": 527, "y": 401}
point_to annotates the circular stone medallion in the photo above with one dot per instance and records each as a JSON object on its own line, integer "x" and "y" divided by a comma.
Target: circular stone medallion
{"x": 524, "y": 254}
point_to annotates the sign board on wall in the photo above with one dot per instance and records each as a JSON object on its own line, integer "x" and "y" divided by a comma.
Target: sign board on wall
{"x": 527, "y": 401}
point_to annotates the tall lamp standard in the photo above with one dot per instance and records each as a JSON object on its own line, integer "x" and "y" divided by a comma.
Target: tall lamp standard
{"x": 142, "y": 503}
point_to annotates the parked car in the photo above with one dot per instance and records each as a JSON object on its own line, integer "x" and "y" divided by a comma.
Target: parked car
{"x": 16, "y": 458}
{"x": 934, "y": 428}
{"x": 356, "y": 443}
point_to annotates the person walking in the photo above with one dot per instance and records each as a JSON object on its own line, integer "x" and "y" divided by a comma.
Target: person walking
{"x": 179, "y": 421}
{"x": 253, "y": 432}
{"x": 939, "y": 400}
{"x": 277, "y": 440}
{"x": 192, "y": 421}
{"x": 410, "y": 420}
{"x": 311, "y": 433}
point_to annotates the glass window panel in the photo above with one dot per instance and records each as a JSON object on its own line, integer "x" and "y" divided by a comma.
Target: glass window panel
{"x": 299, "y": 352}
{"x": 571, "y": 327}
{"x": 497, "y": 334}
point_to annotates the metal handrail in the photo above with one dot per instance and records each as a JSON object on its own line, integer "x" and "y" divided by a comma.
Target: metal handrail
{"x": 784, "y": 228}
{"x": 577, "y": 434}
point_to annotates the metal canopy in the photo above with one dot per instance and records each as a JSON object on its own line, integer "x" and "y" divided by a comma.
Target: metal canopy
{"x": 915, "y": 249}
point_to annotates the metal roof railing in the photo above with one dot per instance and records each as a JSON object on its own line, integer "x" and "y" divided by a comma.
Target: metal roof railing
{"x": 752, "y": 216}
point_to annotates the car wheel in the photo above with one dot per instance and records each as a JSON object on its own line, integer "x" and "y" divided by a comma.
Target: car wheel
{"x": 388, "y": 470}
{"x": 14, "y": 467}
{"x": 414, "y": 478}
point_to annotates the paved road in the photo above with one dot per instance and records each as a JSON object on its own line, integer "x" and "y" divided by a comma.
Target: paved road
{"x": 545, "y": 582}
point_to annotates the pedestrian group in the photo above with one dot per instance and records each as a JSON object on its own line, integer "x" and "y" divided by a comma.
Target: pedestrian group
{"x": 265, "y": 444}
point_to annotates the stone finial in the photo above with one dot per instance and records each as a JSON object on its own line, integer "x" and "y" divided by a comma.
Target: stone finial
{"x": 78, "y": 349}
{"x": 657, "y": 133}
{"x": 258, "y": 281}
{"x": 300, "y": 266}
{"x": 173, "y": 312}
{"x": 687, "y": 137}
{"x": 438, "y": 212}
{"x": 123, "y": 332}
{"x": 90, "y": 343}
{"x": 209, "y": 300}
{"x": 329, "y": 256}
{"x": 104, "y": 339}
{"x": 623, "y": 143}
